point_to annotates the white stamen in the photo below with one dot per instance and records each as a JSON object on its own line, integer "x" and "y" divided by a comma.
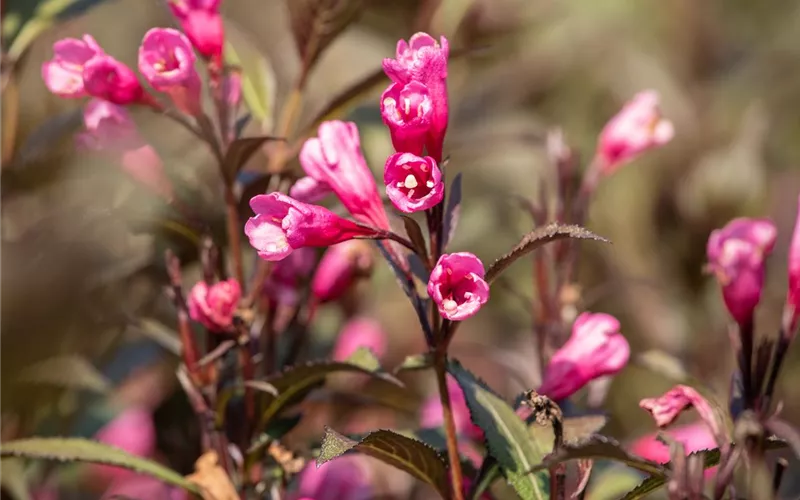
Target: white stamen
{"x": 411, "y": 181}
{"x": 449, "y": 305}
{"x": 407, "y": 105}
{"x": 429, "y": 184}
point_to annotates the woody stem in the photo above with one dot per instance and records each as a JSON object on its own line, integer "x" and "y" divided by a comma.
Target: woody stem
{"x": 456, "y": 476}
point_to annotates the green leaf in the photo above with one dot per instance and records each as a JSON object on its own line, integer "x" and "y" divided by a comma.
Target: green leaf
{"x": 507, "y": 437}
{"x": 404, "y": 453}
{"x": 72, "y": 372}
{"x": 242, "y": 150}
{"x": 316, "y": 23}
{"x": 13, "y": 479}
{"x": 297, "y": 381}
{"x": 84, "y": 450}
{"x": 258, "y": 79}
{"x": 415, "y": 362}
{"x": 534, "y": 240}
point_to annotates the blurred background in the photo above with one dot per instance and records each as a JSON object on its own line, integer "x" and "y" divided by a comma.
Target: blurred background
{"x": 82, "y": 245}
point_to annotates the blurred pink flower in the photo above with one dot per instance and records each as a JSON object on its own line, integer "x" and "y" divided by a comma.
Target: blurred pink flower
{"x": 694, "y": 437}
{"x": 143, "y": 487}
{"x": 309, "y": 190}
{"x": 357, "y": 333}
{"x": 214, "y": 306}
{"x": 794, "y": 272}
{"x": 407, "y": 111}
{"x": 413, "y": 183}
{"x": 457, "y": 286}
{"x": 110, "y": 129}
{"x": 283, "y": 284}
{"x": 736, "y": 255}
{"x": 132, "y": 431}
{"x": 166, "y": 60}
{"x": 638, "y": 127}
{"x": 431, "y": 415}
{"x": 334, "y": 158}
{"x": 283, "y": 224}
{"x": 668, "y": 407}
{"x": 63, "y": 74}
{"x": 344, "y": 478}
{"x": 595, "y": 349}
{"x": 340, "y": 266}
{"x": 202, "y": 23}
{"x": 424, "y": 60}
{"x": 106, "y": 78}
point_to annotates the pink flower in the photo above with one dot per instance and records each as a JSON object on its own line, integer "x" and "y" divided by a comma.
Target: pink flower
{"x": 457, "y": 286}
{"x": 694, "y": 437}
{"x": 141, "y": 486}
{"x": 413, "y": 183}
{"x": 283, "y": 284}
{"x": 108, "y": 79}
{"x": 202, "y": 23}
{"x": 736, "y": 254}
{"x": 166, "y": 60}
{"x": 595, "y": 349}
{"x": 431, "y": 415}
{"x": 214, "y": 306}
{"x": 425, "y": 61}
{"x": 132, "y": 431}
{"x": 340, "y": 266}
{"x": 344, "y": 478}
{"x": 309, "y": 190}
{"x": 110, "y": 129}
{"x": 794, "y": 271}
{"x": 283, "y": 224}
{"x": 668, "y": 407}
{"x": 63, "y": 75}
{"x": 635, "y": 129}
{"x": 335, "y": 159}
{"x": 407, "y": 110}
{"x": 357, "y": 333}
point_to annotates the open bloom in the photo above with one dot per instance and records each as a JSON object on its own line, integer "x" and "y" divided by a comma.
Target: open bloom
{"x": 214, "y": 306}
{"x": 166, "y": 60}
{"x": 413, "y": 183}
{"x": 110, "y": 129}
{"x": 424, "y": 60}
{"x": 339, "y": 268}
{"x": 407, "y": 110}
{"x": 457, "y": 286}
{"x": 357, "y": 333}
{"x": 334, "y": 158}
{"x": 63, "y": 74}
{"x": 202, "y": 23}
{"x": 132, "y": 431}
{"x": 694, "y": 437}
{"x": 108, "y": 79}
{"x": 346, "y": 478}
{"x": 309, "y": 190}
{"x": 736, "y": 255}
{"x": 638, "y": 127}
{"x": 431, "y": 413}
{"x": 595, "y": 349}
{"x": 283, "y": 224}
{"x": 668, "y": 407}
{"x": 794, "y": 271}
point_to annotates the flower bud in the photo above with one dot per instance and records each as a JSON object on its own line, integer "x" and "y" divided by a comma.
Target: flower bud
{"x": 794, "y": 273}
{"x": 286, "y": 278}
{"x": 214, "y": 306}
{"x": 106, "y": 78}
{"x": 358, "y": 333}
{"x": 63, "y": 74}
{"x": 166, "y": 60}
{"x": 595, "y": 349}
{"x": 202, "y": 23}
{"x": 413, "y": 183}
{"x": 457, "y": 286}
{"x": 309, "y": 190}
{"x": 340, "y": 266}
{"x": 667, "y": 408}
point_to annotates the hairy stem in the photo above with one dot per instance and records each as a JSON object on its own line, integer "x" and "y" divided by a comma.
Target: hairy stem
{"x": 456, "y": 476}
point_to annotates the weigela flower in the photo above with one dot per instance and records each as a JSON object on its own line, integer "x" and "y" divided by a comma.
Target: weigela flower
{"x": 457, "y": 286}
{"x": 63, "y": 74}
{"x": 132, "y": 431}
{"x": 166, "y": 60}
{"x": 413, "y": 183}
{"x": 794, "y": 271}
{"x": 668, "y": 407}
{"x": 334, "y": 158}
{"x": 694, "y": 437}
{"x": 346, "y": 478}
{"x": 339, "y": 268}
{"x": 284, "y": 282}
{"x": 736, "y": 254}
{"x": 408, "y": 112}
{"x": 309, "y": 190}
{"x": 106, "y": 78}
{"x": 595, "y": 349}
{"x": 202, "y": 23}
{"x": 638, "y": 127}
{"x": 283, "y": 224}
{"x": 360, "y": 332}
{"x": 431, "y": 415}
{"x": 214, "y": 306}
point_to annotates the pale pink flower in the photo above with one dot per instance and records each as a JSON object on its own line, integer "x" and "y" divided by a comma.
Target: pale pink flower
{"x": 309, "y": 190}
{"x": 143, "y": 487}
{"x": 214, "y": 306}
{"x": 407, "y": 110}
{"x": 202, "y": 23}
{"x": 736, "y": 254}
{"x": 457, "y": 287}
{"x": 360, "y": 332}
{"x": 694, "y": 437}
{"x": 668, "y": 407}
{"x": 431, "y": 415}
{"x": 283, "y": 224}
{"x": 166, "y": 60}
{"x": 63, "y": 74}
{"x": 334, "y": 158}
{"x": 794, "y": 271}
{"x": 106, "y": 78}
{"x": 413, "y": 183}
{"x": 132, "y": 431}
{"x": 595, "y": 349}
{"x": 637, "y": 128}
{"x": 287, "y": 276}
{"x": 340, "y": 266}
{"x": 344, "y": 478}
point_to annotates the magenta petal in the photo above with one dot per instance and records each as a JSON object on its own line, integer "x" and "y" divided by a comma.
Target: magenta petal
{"x": 267, "y": 237}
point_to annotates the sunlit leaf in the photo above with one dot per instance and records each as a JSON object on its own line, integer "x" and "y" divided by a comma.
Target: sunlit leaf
{"x": 415, "y": 362}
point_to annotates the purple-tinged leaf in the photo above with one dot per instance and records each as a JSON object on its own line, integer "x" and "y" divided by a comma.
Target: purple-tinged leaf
{"x": 453, "y": 211}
